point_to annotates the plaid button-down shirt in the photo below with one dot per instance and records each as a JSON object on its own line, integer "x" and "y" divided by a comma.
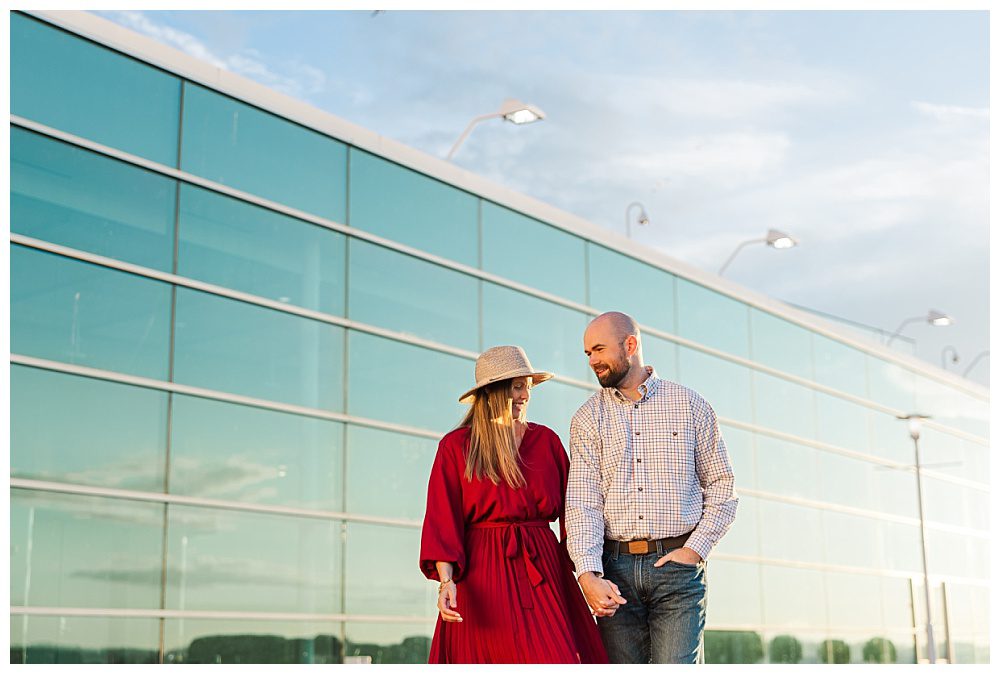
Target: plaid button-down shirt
{"x": 649, "y": 469}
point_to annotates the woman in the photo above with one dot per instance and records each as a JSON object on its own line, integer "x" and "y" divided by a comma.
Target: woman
{"x": 507, "y": 593}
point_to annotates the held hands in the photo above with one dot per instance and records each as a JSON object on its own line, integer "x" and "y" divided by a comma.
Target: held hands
{"x": 448, "y": 602}
{"x": 681, "y": 556}
{"x": 602, "y": 595}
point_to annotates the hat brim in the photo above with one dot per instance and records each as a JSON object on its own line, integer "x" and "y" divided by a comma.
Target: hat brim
{"x": 536, "y": 379}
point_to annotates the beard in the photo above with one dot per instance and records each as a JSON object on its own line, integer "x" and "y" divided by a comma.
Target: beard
{"x": 616, "y": 371}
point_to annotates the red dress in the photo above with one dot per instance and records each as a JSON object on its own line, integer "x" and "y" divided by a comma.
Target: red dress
{"x": 517, "y": 594}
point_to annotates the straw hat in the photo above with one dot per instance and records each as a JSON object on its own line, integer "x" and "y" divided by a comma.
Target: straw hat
{"x": 499, "y": 363}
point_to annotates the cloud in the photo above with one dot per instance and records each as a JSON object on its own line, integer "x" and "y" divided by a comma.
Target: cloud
{"x": 295, "y": 79}
{"x": 950, "y": 113}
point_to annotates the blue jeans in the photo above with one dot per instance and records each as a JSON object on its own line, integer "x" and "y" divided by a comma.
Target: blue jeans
{"x": 664, "y": 619}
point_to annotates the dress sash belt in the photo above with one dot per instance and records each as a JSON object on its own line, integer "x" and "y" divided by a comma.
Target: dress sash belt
{"x": 515, "y": 543}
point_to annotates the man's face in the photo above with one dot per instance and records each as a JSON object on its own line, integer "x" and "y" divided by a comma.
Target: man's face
{"x": 607, "y": 355}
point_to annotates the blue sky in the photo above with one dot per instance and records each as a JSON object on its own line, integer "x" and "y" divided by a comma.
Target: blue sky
{"x": 864, "y": 134}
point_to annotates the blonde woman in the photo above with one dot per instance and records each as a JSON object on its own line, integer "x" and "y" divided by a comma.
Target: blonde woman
{"x": 507, "y": 592}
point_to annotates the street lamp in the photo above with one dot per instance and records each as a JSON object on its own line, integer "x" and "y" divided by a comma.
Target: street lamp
{"x": 775, "y": 239}
{"x": 933, "y": 317}
{"x": 513, "y": 110}
{"x": 954, "y": 355}
{"x": 915, "y": 424}
{"x": 642, "y": 220}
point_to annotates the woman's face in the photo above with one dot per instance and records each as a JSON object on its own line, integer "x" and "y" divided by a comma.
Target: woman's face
{"x": 520, "y": 392}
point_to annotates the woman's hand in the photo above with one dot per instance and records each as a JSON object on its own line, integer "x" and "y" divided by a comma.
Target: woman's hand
{"x": 448, "y": 602}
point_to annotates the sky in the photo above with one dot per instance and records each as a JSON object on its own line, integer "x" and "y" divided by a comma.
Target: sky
{"x": 864, "y": 134}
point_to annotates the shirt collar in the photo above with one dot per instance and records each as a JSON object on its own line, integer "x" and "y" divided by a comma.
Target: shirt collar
{"x": 646, "y": 388}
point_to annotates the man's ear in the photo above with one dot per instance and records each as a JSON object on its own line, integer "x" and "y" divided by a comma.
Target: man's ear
{"x": 631, "y": 345}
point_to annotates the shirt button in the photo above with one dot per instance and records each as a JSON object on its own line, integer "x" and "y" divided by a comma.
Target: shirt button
{"x": 638, "y": 460}
{"x": 640, "y": 488}
{"x": 637, "y": 432}
{"x": 640, "y": 516}
{"x": 637, "y": 407}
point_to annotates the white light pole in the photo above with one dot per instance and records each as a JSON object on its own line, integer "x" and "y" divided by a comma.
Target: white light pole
{"x": 915, "y": 424}
{"x": 642, "y": 220}
{"x": 513, "y": 110}
{"x": 933, "y": 317}
{"x": 775, "y": 239}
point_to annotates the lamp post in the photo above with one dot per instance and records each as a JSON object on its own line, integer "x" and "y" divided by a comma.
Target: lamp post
{"x": 512, "y": 110}
{"x": 915, "y": 424}
{"x": 775, "y": 239}
{"x": 642, "y": 220}
{"x": 933, "y": 317}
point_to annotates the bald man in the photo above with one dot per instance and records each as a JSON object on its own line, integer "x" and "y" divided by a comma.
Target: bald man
{"x": 650, "y": 494}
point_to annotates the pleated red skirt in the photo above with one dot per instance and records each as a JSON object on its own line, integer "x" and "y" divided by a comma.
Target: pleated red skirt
{"x": 519, "y": 602}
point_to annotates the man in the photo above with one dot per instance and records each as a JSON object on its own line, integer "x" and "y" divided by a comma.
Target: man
{"x": 650, "y": 494}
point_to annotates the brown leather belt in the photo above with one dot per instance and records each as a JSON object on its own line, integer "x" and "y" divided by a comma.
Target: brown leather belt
{"x": 644, "y": 547}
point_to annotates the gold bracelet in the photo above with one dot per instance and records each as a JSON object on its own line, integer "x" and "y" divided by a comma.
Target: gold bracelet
{"x": 443, "y": 583}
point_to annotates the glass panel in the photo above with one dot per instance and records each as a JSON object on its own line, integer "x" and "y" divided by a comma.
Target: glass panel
{"x": 621, "y": 283}
{"x": 417, "y": 297}
{"x": 76, "y": 86}
{"x": 792, "y": 647}
{"x": 852, "y": 540}
{"x": 891, "y": 385}
{"x": 725, "y": 385}
{"x": 946, "y": 502}
{"x": 402, "y": 464}
{"x": 854, "y": 601}
{"x": 793, "y": 597}
{"x": 896, "y": 489}
{"x": 781, "y": 344}
{"x": 242, "y": 642}
{"x": 236, "y": 453}
{"x": 401, "y": 589}
{"x": 839, "y": 366}
{"x": 897, "y": 608}
{"x": 787, "y": 468}
{"x": 734, "y": 593}
{"x": 713, "y": 319}
{"x": 553, "y": 404}
{"x": 84, "y": 551}
{"x": 411, "y": 208}
{"x": 784, "y": 406}
{"x": 849, "y": 482}
{"x": 550, "y": 334}
{"x": 237, "y": 245}
{"x": 743, "y": 537}
{"x": 239, "y": 561}
{"x": 82, "y": 200}
{"x": 508, "y": 239}
{"x": 83, "y": 314}
{"x": 902, "y": 547}
{"x": 948, "y": 553}
{"x": 842, "y": 423}
{"x": 952, "y": 407}
{"x": 241, "y": 348}
{"x": 76, "y": 640}
{"x": 254, "y": 151}
{"x": 890, "y": 438}
{"x": 661, "y": 354}
{"x": 406, "y": 384}
{"x": 733, "y": 646}
{"x": 799, "y": 537}
{"x": 742, "y": 456}
{"x": 86, "y": 431}
{"x": 383, "y": 643}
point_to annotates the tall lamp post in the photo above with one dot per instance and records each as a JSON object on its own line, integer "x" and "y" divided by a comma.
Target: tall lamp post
{"x": 642, "y": 220}
{"x": 933, "y": 317}
{"x": 915, "y": 423}
{"x": 513, "y": 110}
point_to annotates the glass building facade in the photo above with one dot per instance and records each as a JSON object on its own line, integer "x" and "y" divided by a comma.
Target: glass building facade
{"x": 239, "y": 326}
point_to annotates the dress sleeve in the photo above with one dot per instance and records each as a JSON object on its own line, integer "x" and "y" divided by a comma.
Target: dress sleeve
{"x": 562, "y": 465}
{"x": 443, "y": 536}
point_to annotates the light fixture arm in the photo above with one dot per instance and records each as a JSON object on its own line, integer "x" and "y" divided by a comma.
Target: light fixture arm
{"x": 975, "y": 360}
{"x": 738, "y": 249}
{"x": 902, "y": 325}
{"x": 628, "y": 221}
{"x": 468, "y": 129}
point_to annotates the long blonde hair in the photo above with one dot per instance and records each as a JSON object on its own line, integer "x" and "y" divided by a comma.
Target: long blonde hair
{"x": 492, "y": 446}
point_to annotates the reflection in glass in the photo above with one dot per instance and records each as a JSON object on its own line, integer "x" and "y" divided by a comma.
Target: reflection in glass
{"x": 852, "y": 540}
{"x": 214, "y": 556}
{"x": 713, "y": 319}
{"x": 550, "y": 334}
{"x": 794, "y": 533}
{"x": 553, "y": 404}
{"x": 849, "y": 482}
{"x": 839, "y": 366}
{"x": 783, "y": 405}
{"x": 413, "y": 209}
{"x": 508, "y": 235}
{"x": 78, "y": 640}
{"x": 854, "y": 600}
{"x": 733, "y": 646}
{"x": 897, "y": 604}
{"x": 381, "y": 581}
{"x": 734, "y": 593}
{"x": 842, "y": 423}
{"x": 83, "y": 200}
{"x": 902, "y": 547}
{"x": 725, "y": 385}
{"x": 891, "y": 384}
{"x": 740, "y": 445}
{"x": 787, "y": 468}
{"x": 621, "y": 283}
{"x": 241, "y": 348}
{"x": 406, "y": 384}
{"x": 383, "y": 643}
{"x": 781, "y": 344}
{"x": 236, "y": 453}
{"x": 86, "y": 431}
{"x": 231, "y": 243}
{"x": 661, "y": 354}
{"x": 79, "y": 313}
{"x": 84, "y": 551}
{"x": 890, "y": 439}
{"x": 77, "y": 86}
{"x": 417, "y": 297}
{"x": 793, "y": 598}
{"x": 240, "y": 642}
{"x": 743, "y": 537}
{"x": 793, "y": 646}
{"x": 402, "y": 464}
{"x": 244, "y": 147}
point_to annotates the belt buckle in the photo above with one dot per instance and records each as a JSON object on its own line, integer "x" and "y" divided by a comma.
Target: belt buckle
{"x": 638, "y": 547}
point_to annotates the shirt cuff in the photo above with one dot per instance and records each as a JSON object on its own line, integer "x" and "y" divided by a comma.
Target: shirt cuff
{"x": 699, "y": 544}
{"x": 589, "y": 564}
